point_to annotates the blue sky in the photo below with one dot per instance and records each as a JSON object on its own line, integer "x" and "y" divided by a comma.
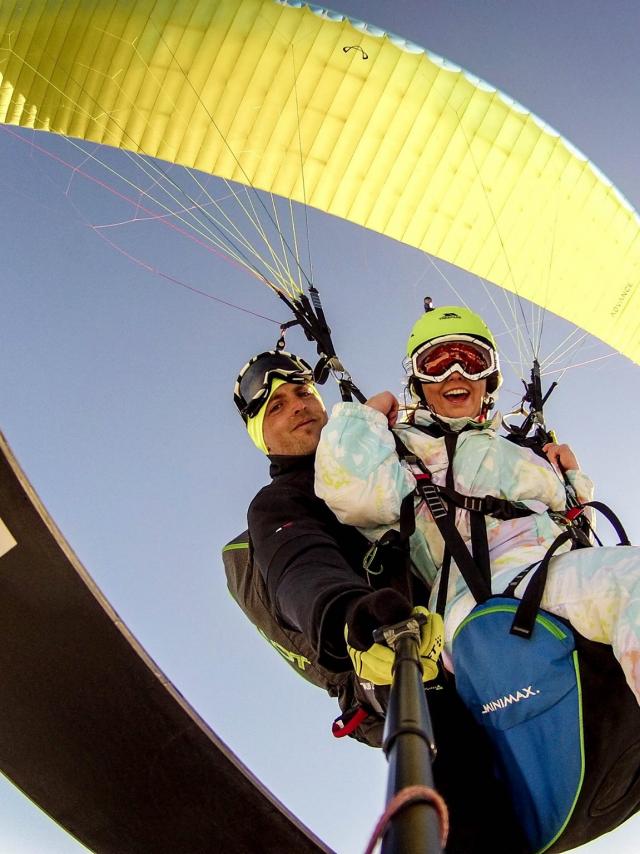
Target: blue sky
{"x": 116, "y": 389}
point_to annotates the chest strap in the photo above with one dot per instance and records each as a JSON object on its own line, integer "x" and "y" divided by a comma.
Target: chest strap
{"x": 488, "y": 505}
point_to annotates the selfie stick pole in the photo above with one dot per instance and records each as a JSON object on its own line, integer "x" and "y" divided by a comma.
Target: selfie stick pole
{"x": 417, "y": 820}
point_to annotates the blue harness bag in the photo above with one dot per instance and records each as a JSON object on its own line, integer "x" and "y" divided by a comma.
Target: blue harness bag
{"x": 564, "y": 724}
{"x": 526, "y": 692}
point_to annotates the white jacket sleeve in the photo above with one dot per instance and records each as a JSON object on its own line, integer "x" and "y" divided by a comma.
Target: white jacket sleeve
{"x": 582, "y": 484}
{"x": 358, "y": 472}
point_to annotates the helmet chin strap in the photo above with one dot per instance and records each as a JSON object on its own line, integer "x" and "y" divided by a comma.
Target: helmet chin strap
{"x": 416, "y": 388}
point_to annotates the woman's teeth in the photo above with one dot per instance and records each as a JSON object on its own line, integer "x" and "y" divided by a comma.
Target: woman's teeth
{"x": 457, "y": 392}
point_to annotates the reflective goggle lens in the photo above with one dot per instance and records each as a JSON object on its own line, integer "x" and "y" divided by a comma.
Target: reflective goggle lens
{"x": 472, "y": 359}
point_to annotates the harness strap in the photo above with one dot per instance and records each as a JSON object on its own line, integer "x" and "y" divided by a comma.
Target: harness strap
{"x": 450, "y": 442}
{"x": 389, "y": 561}
{"x": 524, "y": 620}
{"x": 457, "y": 549}
{"x": 444, "y": 517}
{"x": 510, "y": 589}
{"x": 608, "y": 513}
{"x": 393, "y": 548}
{"x": 488, "y": 505}
{"x": 480, "y": 545}
{"x": 525, "y": 617}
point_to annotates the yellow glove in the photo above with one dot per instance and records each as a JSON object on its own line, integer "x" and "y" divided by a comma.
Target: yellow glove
{"x": 431, "y": 642}
{"x": 376, "y": 663}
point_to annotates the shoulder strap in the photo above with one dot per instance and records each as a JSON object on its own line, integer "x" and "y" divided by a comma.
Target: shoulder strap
{"x": 608, "y": 513}
{"x": 450, "y": 442}
{"x": 444, "y": 518}
{"x": 525, "y": 617}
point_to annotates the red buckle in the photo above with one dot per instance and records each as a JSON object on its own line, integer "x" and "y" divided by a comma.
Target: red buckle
{"x": 573, "y": 513}
{"x": 423, "y": 476}
{"x": 347, "y": 723}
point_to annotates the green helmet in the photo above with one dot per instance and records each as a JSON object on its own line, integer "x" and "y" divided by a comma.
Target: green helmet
{"x": 448, "y": 322}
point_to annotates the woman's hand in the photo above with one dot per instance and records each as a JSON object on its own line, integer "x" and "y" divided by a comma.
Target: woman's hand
{"x": 561, "y": 456}
{"x": 387, "y": 404}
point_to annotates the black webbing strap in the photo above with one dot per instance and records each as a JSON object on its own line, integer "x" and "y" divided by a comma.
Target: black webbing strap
{"x": 525, "y": 617}
{"x": 392, "y": 552}
{"x": 608, "y": 513}
{"x": 450, "y": 442}
{"x": 510, "y": 589}
{"x": 455, "y": 546}
{"x": 444, "y": 517}
{"x": 480, "y": 545}
{"x": 488, "y": 505}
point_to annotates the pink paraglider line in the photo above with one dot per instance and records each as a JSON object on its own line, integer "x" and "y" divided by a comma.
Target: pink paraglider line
{"x": 159, "y": 218}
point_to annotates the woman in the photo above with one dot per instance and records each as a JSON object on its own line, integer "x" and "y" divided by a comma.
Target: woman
{"x": 454, "y": 376}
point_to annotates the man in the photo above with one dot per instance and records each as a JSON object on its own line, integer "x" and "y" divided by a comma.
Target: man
{"x": 315, "y": 582}
{"x": 312, "y": 565}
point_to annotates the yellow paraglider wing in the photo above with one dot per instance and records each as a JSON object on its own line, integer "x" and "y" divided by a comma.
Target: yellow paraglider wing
{"x": 336, "y": 114}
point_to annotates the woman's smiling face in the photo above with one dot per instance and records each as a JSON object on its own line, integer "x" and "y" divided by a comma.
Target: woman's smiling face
{"x": 456, "y": 397}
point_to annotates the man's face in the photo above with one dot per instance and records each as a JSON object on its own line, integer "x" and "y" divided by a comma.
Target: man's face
{"x": 293, "y": 420}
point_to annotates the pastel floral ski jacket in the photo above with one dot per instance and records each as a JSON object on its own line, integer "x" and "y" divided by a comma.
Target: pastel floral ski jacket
{"x": 361, "y": 478}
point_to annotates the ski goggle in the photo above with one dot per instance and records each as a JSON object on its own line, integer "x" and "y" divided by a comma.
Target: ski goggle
{"x": 434, "y": 362}
{"x": 254, "y": 382}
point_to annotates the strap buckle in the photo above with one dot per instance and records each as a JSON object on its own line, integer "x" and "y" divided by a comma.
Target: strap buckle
{"x": 372, "y": 562}
{"x": 435, "y": 504}
{"x": 369, "y": 560}
{"x": 572, "y": 521}
{"x": 474, "y": 504}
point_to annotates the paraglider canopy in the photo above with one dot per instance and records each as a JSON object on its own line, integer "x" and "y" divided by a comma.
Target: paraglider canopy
{"x": 62, "y": 446}
{"x": 413, "y": 147}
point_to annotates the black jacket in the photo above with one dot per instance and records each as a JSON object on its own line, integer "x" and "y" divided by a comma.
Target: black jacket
{"x": 311, "y": 563}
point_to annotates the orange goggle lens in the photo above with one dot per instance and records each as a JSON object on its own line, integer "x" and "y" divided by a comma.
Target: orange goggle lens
{"x": 472, "y": 360}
